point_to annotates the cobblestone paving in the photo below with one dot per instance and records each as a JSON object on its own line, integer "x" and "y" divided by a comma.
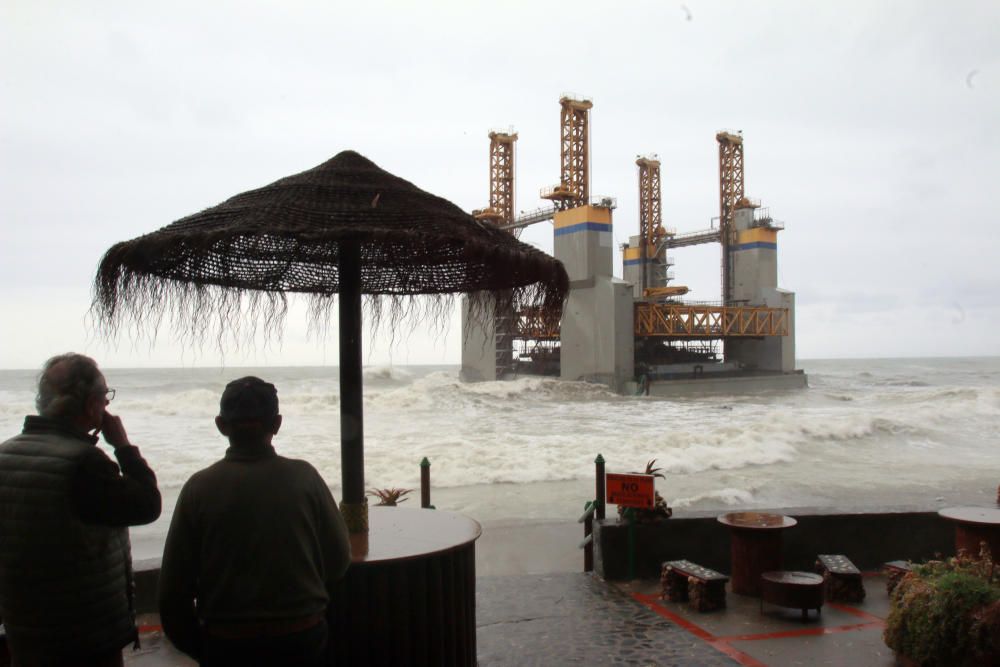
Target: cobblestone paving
{"x": 563, "y": 619}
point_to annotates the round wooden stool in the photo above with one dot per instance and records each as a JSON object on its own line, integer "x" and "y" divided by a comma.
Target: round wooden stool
{"x": 796, "y": 590}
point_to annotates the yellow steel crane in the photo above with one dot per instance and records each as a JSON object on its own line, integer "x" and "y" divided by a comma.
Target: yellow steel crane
{"x": 650, "y": 216}
{"x": 574, "y": 179}
{"x": 731, "y": 187}
{"x": 651, "y": 230}
{"x": 501, "y": 208}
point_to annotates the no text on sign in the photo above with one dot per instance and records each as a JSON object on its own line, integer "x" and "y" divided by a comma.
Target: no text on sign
{"x": 630, "y": 490}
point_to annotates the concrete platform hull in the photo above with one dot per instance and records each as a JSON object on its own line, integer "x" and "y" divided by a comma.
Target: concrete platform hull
{"x": 732, "y": 384}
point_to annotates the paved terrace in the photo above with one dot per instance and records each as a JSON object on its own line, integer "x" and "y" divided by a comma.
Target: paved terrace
{"x": 575, "y": 618}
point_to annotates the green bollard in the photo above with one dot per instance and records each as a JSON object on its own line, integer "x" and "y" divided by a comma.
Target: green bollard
{"x": 600, "y": 488}
{"x": 425, "y": 484}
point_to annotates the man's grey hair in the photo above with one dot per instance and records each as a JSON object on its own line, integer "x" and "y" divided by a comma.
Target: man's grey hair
{"x": 65, "y": 384}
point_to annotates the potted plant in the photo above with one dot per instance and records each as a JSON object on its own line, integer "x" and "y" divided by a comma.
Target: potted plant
{"x": 660, "y": 508}
{"x": 947, "y": 612}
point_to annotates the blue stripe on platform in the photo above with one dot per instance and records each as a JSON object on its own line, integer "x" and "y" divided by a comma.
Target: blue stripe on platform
{"x": 632, "y": 262}
{"x": 756, "y": 244}
{"x": 584, "y": 227}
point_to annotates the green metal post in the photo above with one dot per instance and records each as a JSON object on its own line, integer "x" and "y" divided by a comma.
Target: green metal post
{"x": 425, "y": 483}
{"x": 599, "y": 487}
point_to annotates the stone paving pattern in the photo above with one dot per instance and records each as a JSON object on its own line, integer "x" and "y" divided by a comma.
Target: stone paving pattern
{"x": 562, "y": 619}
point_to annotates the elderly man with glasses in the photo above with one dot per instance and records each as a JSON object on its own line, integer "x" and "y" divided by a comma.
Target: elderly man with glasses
{"x": 65, "y": 559}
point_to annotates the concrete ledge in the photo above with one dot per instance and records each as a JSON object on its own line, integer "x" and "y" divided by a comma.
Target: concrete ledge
{"x": 868, "y": 539}
{"x": 731, "y": 384}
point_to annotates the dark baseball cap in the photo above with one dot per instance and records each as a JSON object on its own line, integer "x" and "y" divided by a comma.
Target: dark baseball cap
{"x": 248, "y": 398}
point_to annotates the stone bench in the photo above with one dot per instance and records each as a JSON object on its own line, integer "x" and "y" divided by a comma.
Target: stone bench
{"x": 703, "y": 589}
{"x": 841, "y": 578}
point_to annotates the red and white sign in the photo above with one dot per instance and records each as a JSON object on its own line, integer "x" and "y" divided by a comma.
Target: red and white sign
{"x": 630, "y": 490}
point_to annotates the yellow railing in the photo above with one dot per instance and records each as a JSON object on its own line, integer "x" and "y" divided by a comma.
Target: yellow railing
{"x": 683, "y": 321}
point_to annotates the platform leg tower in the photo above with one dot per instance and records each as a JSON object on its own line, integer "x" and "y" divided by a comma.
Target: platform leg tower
{"x": 596, "y": 335}
{"x": 645, "y": 262}
{"x": 754, "y": 257}
{"x": 487, "y": 341}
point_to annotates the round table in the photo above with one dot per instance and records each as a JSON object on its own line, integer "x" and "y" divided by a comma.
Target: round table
{"x": 974, "y": 525}
{"x": 755, "y": 547}
{"x": 409, "y": 596}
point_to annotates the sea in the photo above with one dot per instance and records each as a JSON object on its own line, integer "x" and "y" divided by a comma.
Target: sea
{"x": 866, "y": 434}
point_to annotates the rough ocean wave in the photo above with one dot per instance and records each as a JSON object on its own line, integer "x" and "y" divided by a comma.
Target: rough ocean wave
{"x": 866, "y": 431}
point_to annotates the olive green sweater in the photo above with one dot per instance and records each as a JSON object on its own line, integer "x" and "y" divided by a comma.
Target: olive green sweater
{"x": 254, "y": 537}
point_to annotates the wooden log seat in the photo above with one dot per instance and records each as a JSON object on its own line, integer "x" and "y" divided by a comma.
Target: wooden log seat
{"x": 841, "y": 577}
{"x": 683, "y": 581}
{"x": 894, "y": 571}
{"x": 796, "y": 590}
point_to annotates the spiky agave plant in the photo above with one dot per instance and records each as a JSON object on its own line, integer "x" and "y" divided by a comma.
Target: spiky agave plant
{"x": 390, "y": 497}
{"x": 655, "y": 472}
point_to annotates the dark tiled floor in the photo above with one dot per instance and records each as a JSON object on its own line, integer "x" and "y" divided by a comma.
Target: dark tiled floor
{"x": 576, "y": 619}
{"x": 563, "y": 619}
{"x": 843, "y": 635}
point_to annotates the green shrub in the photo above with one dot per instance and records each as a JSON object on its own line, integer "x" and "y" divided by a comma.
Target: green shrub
{"x": 947, "y": 613}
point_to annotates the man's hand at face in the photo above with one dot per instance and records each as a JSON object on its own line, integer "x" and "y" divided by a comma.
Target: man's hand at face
{"x": 114, "y": 431}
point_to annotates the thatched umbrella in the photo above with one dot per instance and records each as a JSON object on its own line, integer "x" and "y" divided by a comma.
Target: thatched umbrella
{"x": 344, "y": 228}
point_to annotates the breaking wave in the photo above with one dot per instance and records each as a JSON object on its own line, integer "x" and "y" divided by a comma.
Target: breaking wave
{"x": 727, "y": 497}
{"x": 715, "y": 451}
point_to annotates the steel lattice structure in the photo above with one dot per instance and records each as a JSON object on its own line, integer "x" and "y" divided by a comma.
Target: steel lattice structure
{"x": 530, "y": 325}
{"x": 500, "y": 212}
{"x": 650, "y": 220}
{"x": 683, "y": 321}
{"x": 731, "y": 186}
{"x": 501, "y": 208}
{"x": 502, "y": 174}
{"x": 574, "y": 177}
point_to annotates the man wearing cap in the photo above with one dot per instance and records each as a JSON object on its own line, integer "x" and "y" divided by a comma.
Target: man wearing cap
{"x": 65, "y": 559}
{"x": 254, "y": 549}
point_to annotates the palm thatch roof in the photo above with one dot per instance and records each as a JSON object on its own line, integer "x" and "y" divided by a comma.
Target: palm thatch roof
{"x": 255, "y": 247}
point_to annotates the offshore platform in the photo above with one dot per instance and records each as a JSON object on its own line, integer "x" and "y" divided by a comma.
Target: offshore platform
{"x": 636, "y": 334}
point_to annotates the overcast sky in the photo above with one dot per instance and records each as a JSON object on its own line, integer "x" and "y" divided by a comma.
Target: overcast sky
{"x": 870, "y": 130}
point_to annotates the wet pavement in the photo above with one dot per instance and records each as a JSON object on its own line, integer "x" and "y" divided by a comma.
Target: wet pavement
{"x": 755, "y": 635}
{"x": 578, "y": 619}
{"x": 563, "y": 619}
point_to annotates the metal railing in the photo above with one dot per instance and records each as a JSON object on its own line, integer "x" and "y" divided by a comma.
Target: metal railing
{"x": 762, "y": 218}
{"x": 547, "y": 213}
{"x": 575, "y": 97}
{"x": 692, "y": 238}
{"x": 524, "y": 219}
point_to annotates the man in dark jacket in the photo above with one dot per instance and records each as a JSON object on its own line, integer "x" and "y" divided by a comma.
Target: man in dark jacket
{"x": 254, "y": 549}
{"x": 65, "y": 508}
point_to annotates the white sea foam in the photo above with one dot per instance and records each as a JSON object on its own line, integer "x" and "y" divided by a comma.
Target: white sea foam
{"x": 727, "y": 497}
{"x": 393, "y": 373}
{"x": 869, "y": 428}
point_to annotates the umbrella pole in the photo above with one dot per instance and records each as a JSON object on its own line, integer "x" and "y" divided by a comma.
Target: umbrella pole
{"x": 354, "y": 505}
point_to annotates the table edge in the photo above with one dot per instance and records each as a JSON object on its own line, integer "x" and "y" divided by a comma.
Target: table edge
{"x": 971, "y": 522}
